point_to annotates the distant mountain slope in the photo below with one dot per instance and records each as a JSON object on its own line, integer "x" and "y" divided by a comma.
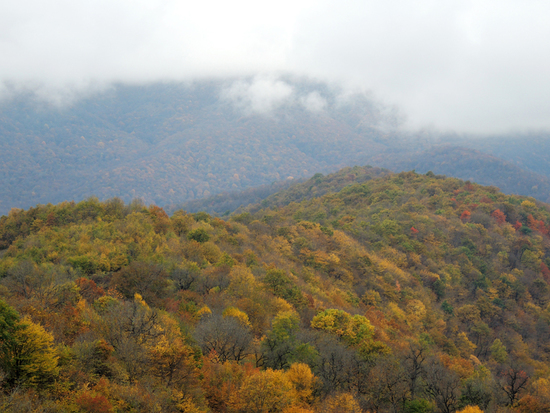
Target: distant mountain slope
{"x": 469, "y": 164}
{"x": 168, "y": 143}
{"x": 528, "y": 151}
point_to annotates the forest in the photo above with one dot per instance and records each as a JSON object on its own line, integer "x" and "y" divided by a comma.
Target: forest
{"x": 352, "y": 292}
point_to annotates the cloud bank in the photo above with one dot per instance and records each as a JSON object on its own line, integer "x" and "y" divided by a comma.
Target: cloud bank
{"x": 467, "y": 66}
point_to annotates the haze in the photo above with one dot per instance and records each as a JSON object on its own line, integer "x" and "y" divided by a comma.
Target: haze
{"x": 474, "y": 67}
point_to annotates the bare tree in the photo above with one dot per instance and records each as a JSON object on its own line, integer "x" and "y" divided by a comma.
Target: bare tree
{"x": 413, "y": 363}
{"x": 442, "y": 385}
{"x": 228, "y": 337}
{"x": 512, "y": 380}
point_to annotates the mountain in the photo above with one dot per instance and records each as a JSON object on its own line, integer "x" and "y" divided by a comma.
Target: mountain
{"x": 359, "y": 291}
{"x": 172, "y": 143}
{"x": 169, "y": 143}
{"x": 527, "y": 151}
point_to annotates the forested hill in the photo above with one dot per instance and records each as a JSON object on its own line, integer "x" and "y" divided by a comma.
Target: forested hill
{"x": 282, "y": 193}
{"x": 402, "y": 293}
{"x": 460, "y": 162}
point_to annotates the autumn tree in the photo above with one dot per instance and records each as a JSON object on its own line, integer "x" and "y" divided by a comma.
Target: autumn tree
{"x": 146, "y": 279}
{"x": 133, "y": 329}
{"x": 389, "y": 389}
{"x": 413, "y": 362}
{"x": 303, "y": 382}
{"x": 282, "y": 346}
{"x": 499, "y": 216}
{"x": 266, "y": 391}
{"x": 27, "y": 356}
{"x": 173, "y": 361}
{"x": 465, "y": 216}
{"x": 341, "y": 403}
{"x": 352, "y": 329}
{"x": 340, "y": 368}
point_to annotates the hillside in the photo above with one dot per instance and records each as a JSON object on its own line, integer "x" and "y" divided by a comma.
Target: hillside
{"x": 399, "y": 293}
{"x": 459, "y": 162}
{"x": 283, "y": 193}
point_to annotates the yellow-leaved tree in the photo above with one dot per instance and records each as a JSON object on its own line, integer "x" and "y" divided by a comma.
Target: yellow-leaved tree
{"x": 27, "y": 355}
{"x": 268, "y": 390}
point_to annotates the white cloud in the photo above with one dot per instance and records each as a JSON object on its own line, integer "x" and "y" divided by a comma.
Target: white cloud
{"x": 469, "y": 65}
{"x": 314, "y": 102}
{"x": 261, "y": 95}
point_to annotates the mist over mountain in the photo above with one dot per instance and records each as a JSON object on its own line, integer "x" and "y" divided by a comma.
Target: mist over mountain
{"x": 170, "y": 143}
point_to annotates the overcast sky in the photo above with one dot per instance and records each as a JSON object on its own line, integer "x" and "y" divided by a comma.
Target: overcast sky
{"x": 469, "y": 66}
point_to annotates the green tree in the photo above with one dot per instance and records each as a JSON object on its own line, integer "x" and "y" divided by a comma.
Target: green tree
{"x": 282, "y": 347}
{"x": 26, "y": 352}
{"x": 9, "y": 324}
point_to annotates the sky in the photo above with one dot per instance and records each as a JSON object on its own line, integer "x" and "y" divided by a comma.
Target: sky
{"x": 465, "y": 66}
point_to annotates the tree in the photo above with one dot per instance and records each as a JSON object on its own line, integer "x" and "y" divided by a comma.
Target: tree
{"x": 148, "y": 280}
{"x": 303, "y": 382}
{"x": 341, "y": 403}
{"x": 266, "y": 391}
{"x": 91, "y": 402}
{"x": 9, "y": 324}
{"x": 340, "y": 368}
{"x": 227, "y": 336}
{"x": 413, "y": 364}
{"x": 443, "y": 385}
{"x": 352, "y": 329}
{"x": 513, "y": 381}
{"x": 280, "y": 284}
{"x": 133, "y": 329}
{"x": 222, "y": 381}
{"x": 172, "y": 362}
{"x": 499, "y": 216}
{"x": 389, "y": 384}
{"x": 470, "y": 409}
{"x": 281, "y": 347}
{"x": 28, "y": 357}
{"x": 185, "y": 277}
{"x": 498, "y": 352}
{"x": 199, "y": 235}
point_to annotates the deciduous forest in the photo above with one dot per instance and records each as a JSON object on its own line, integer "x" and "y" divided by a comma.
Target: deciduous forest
{"x": 362, "y": 291}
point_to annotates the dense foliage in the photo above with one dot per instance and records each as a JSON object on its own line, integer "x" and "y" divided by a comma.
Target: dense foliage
{"x": 404, "y": 293}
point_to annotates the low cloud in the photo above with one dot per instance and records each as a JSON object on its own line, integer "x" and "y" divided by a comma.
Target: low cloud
{"x": 465, "y": 66}
{"x": 314, "y": 102}
{"x": 261, "y": 95}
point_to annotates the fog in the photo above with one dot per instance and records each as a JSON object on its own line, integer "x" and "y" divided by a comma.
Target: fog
{"x": 470, "y": 66}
